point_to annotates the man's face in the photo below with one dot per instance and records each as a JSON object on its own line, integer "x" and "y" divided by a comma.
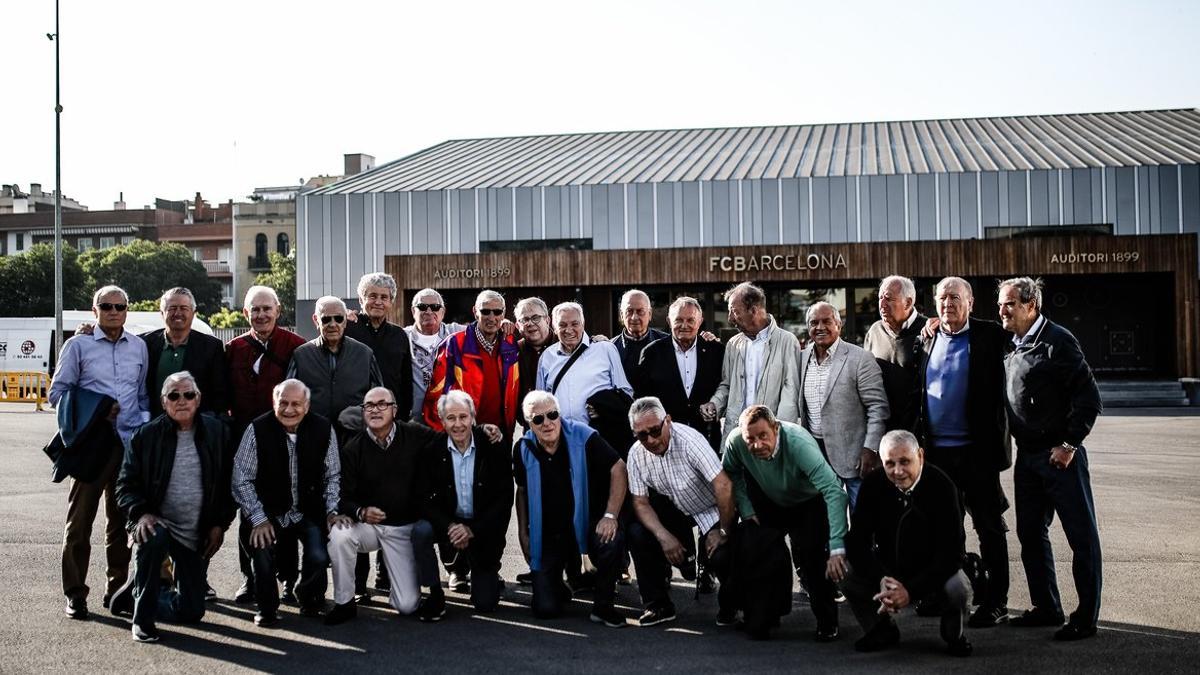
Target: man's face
{"x": 535, "y": 326}
{"x": 743, "y": 318}
{"x": 545, "y": 429}
{"x": 569, "y": 328}
{"x": 902, "y": 464}
{"x": 685, "y": 324}
{"x": 760, "y": 438}
{"x": 823, "y": 327}
{"x": 490, "y": 314}
{"x": 290, "y": 407}
{"x": 331, "y": 321}
{"x": 894, "y": 308}
{"x": 458, "y": 421}
{"x": 379, "y": 411}
{"x": 178, "y": 406}
{"x": 954, "y": 303}
{"x": 111, "y": 318}
{"x": 654, "y": 434}
{"x": 428, "y": 312}
{"x": 377, "y": 302}
{"x": 178, "y": 313}
{"x": 1015, "y": 316}
{"x": 637, "y": 315}
{"x": 262, "y": 313}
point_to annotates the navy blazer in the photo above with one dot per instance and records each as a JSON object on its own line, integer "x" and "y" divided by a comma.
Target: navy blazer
{"x": 658, "y": 375}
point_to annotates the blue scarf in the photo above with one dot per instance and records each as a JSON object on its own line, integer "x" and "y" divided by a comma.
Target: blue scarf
{"x": 575, "y": 436}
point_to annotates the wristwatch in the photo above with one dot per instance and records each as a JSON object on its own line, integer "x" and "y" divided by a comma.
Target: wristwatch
{"x": 1068, "y": 447}
{"x": 722, "y": 532}
{"x": 609, "y": 515}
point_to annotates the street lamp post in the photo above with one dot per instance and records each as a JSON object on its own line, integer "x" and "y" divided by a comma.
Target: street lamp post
{"x": 58, "y": 253}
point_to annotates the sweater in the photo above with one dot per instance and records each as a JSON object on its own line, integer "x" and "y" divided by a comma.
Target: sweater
{"x": 946, "y": 389}
{"x": 386, "y": 479}
{"x": 897, "y": 358}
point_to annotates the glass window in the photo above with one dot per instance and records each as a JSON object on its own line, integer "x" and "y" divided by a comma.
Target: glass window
{"x": 282, "y": 245}
{"x": 84, "y": 243}
{"x": 260, "y": 248}
{"x": 20, "y": 241}
{"x": 127, "y": 239}
{"x": 107, "y": 242}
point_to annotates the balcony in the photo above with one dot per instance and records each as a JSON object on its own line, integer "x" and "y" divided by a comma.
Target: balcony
{"x": 256, "y": 264}
{"x": 217, "y": 268}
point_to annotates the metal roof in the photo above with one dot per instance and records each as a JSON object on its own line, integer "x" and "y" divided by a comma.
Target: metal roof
{"x": 860, "y": 149}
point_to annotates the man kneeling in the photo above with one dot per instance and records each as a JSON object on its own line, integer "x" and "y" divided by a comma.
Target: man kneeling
{"x": 174, "y": 488}
{"x": 906, "y": 541}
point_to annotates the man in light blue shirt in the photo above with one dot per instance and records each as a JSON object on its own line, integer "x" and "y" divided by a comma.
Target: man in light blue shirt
{"x": 113, "y": 362}
{"x": 597, "y": 369}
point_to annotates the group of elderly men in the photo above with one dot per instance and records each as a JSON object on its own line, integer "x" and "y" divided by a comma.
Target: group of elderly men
{"x": 400, "y": 441}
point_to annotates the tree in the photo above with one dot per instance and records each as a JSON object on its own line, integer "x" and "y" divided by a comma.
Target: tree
{"x": 282, "y": 278}
{"x": 145, "y": 269}
{"x": 227, "y": 318}
{"x": 27, "y": 282}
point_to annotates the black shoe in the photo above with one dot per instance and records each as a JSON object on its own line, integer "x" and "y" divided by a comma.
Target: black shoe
{"x": 525, "y": 578}
{"x": 383, "y": 584}
{"x": 928, "y": 607}
{"x": 960, "y": 647}
{"x": 987, "y": 617}
{"x": 837, "y": 596}
{"x": 609, "y": 617}
{"x": 727, "y": 617}
{"x": 432, "y": 608}
{"x": 121, "y": 602}
{"x": 76, "y": 609}
{"x": 705, "y": 584}
{"x": 653, "y": 617}
{"x": 210, "y": 593}
{"x": 289, "y": 593}
{"x": 584, "y": 583}
{"x": 1036, "y": 617}
{"x": 826, "y": 634}
{"x": 312, "y": 609}
{"x": 459, "y": 583}
{"x": 104, "y": 602}
{"x": 882, "y": 635}
{"x": 688, "y": 569}
{"x": 144, "y": 633}
{"x": 1072, "y": 632}
{"x": 341, "y": 614}
{"x": 244, "y": 595}
{"x": 624, "y": 579}
{"x": 266, "y": 620}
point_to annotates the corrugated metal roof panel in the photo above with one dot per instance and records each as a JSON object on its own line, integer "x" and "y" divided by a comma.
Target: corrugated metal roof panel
{"x": 819, "y": 150}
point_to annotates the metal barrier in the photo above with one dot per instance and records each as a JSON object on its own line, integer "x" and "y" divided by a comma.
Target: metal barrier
{"x": 24, "y": 387}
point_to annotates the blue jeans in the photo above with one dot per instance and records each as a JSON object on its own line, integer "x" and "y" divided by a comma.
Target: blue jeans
{"x": 184, "y": 602}
{"x": 314, "y": 563}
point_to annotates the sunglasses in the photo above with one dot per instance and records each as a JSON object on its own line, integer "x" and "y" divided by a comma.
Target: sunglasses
{"x": 428, "y": 307}
{"x": 336, "y": 318}
{"x": 652, "y": 432}
{"x": 175, "y": 395}
{"x": 110, "y": 306}
{"x": 491, "y": 312}
{"x": 538, "y": 419}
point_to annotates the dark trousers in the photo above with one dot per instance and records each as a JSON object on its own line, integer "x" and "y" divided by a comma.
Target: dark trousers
{"x": 83, "y": 502}
{"x": 315, "y": 561}
{"x": 1041, "y": 491}
{"x": 983, "y": 497}
{"x": 653, "y": 568}
{"x": 287, "y": 562}
{"x": 182, "y": 603}
{"x": 807, "y": 527}
{"x": 560, "y": 553}
{"x": 362, "y": 569}
{"x": 481, "y": 558}
{"x": 955, "y": 595}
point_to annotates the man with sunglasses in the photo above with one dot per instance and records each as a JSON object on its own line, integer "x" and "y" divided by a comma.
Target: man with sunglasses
{"x": 338, "y": 370}
{"x": 677, "y": 484}
{"x": 424, "y": 336}
{"x": 108, "y": 363}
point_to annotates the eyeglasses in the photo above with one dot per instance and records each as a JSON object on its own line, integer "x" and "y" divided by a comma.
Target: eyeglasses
{"x": 189, "y": 395}
{"x": 491, "y": 312}
{"x": 336, "y": 318}
{"x": 428, "y": 307}
{"x": 372, "y": 407}
{"x": 652, "y": 432}
{"x": 532, "y": 318}
{"x": 538, "y": 419}
{"x": 110, "y": 306}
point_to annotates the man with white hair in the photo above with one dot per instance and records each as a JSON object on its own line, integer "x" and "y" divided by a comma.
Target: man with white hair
{"x": 105, "y": 372}
{"x": 388, "y": 341}
{"x": 635, "y": 313}
{"x": 895, "y": 340}
{"x": 424, "y": 335}
{"x": 338, "y": 370}
{"x": 578, "y": 367}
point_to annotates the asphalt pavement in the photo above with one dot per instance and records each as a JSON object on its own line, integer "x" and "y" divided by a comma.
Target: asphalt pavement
{"x": 1143, "y": 465}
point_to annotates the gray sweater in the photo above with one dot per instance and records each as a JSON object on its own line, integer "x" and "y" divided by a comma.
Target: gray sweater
{"x": 897, "y": 359}
{"x": 337, "y": 381}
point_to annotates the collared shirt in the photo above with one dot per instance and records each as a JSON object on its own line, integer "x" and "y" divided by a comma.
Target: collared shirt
{"x": 597, "y": 369}
{"x": 756, "y": 354}
{"x": 266, "y": 347}
{"x": 170, "y": 361}
{"x": 945, "y": 328}
{"x": 386, "y": 442}
{"x": 912, "y": 316}
{"x": 464, "y": 477}
{"x": 1033, "y": 330}
{"x": 683, "y": 474}
{"x": 816, "y": 380}
{"x": 245, "y": 471}
{"x": 117, "y": 369}
{"x": 688, "y": 361}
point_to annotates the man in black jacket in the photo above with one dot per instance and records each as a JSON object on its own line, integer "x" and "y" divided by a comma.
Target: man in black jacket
{"x": 1052, "y": 403}
{"x": 960, "y": 423}
{"x": 388, "y": 341}
{"x": 894, "y": 341}
{"x": 174, "y": 489}
{"x": 636, "y": 313}
{"x": 906, "y": 542}
{"x": 468, "y": 500}
{"x": 177, "y": 347}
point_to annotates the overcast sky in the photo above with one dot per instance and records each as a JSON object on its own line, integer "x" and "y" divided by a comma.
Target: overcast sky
{"x": 167, "y": 98}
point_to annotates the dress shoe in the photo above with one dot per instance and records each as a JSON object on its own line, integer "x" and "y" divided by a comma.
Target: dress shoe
{"x": 987, "y": 617}
{"x": 341, "y": 614}
{"x": 266, "y": 619}
{"x": 244, "y": 595}
{"x": 146, "y": 634}
{"x": 76, "y": 609}
{"x": 1072, "y": 632}
{"x": 1033, "y": 618}
{"x": 121, "y": 602}
{"x": 882, "y": 635}
{"x": 826, "y": 634}
{"x": 960, "y": 647}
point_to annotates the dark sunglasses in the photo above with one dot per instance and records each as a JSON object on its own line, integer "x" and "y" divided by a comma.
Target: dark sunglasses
{"x": 491, "y": 312}
{"x": 428, "y": 307}
{"x": 652, "y": 432}
{"x": 336, "y": 318}
{"x": 189, "y": 395}
{"x": 110, "y": 306}
{"x": 538, "y": 419}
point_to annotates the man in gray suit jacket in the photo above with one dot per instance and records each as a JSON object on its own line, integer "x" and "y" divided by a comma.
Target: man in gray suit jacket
{"x": 842, "y": 400}
{"x": 760, "y": 363}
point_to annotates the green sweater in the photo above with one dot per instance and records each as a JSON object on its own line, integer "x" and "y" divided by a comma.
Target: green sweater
{"x": 796, "y": 474}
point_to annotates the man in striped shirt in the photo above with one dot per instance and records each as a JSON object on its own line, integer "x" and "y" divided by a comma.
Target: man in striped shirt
{"x": 677, "y": 483}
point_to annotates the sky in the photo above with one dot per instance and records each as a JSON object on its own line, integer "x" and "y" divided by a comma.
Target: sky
{"x": 169, "y": 98}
